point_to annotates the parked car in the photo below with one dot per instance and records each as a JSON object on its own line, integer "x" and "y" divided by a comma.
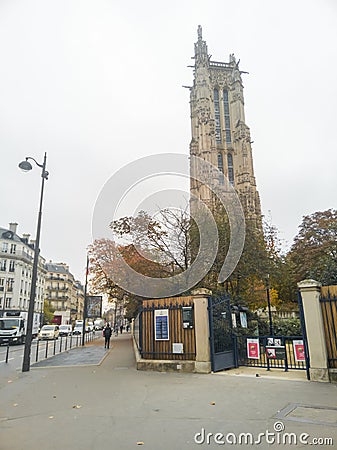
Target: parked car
{"x": 49, "y": 332}
{"x": 66, "y": 330}
{"x": 98, "y": 324}
{"x": 78, "y": 328}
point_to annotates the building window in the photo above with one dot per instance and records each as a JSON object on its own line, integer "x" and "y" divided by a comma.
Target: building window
{"x": 11, "y": 266}
{"x": 230, "y": 168}
{"x": 220, "y": 167}
{"x": 227, "y": 118}
{"x": 3, "y": 264}
{"x": 8, "y": 302}
{"x": 10, "y": 283}
{"x": 217, "y": 117}
{"x": 4, "y": 247}
{"x": 13, "y": 249}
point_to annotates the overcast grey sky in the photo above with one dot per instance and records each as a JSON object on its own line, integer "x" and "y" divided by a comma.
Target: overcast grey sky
{"x": 98, "y": 84}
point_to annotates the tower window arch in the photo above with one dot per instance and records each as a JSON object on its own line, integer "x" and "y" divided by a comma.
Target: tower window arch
{"x": 217, "y": 117}
{"x": 227, "y": 117}
{"x": 230, "y": 168}
{"x": 221, "y": 168}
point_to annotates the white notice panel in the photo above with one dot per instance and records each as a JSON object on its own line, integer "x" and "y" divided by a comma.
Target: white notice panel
{"x": 177, "y": 347}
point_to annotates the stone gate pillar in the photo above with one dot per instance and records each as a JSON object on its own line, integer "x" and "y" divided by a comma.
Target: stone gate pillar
{"x": 201, "y": 324}
{"x": 310, "y": 292}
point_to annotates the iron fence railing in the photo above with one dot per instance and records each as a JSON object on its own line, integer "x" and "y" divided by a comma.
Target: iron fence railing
{"x": 288, "y": 353}
{"x": 137, "y": 326}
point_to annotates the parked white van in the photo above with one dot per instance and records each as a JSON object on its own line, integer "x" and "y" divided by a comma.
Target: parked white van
{"x": 49, "y": 332}
{"x": 66, "y": 330}
{"x": 78, "y": 328}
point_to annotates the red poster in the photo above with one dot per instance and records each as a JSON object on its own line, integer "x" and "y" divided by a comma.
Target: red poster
{"x": 299, "y": 350}
{"x": 253, "y": 348}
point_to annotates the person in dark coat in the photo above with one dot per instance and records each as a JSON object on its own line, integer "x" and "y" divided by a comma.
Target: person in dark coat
{"x": 107, "y": 332}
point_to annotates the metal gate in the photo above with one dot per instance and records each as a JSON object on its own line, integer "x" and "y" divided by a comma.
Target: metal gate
{"x": 304, "y": 333}
{"x": 221, "y": 334}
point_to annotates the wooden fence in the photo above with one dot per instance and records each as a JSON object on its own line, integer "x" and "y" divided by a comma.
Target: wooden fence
{"x": 153, "y": 343}
{"x": 329, "y": 311}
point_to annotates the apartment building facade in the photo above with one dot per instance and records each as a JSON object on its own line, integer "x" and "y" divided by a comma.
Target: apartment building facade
{"x": 64, "y": 294}
{"x": 16, "y": 267}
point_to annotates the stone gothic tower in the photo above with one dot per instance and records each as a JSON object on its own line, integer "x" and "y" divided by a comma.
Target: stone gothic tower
{"x": 219, "y": 132}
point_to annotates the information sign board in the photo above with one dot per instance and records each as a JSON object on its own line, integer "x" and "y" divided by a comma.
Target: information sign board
{"x": 161, "y": 325}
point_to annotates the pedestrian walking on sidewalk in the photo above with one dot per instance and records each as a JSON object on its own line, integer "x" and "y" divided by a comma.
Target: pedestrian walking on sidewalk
{"x": 107, "y": 332}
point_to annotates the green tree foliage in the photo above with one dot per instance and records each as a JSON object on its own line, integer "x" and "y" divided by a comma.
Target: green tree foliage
{"x": 169, "y": 244}
{"x": 281, "y": 274}
{"x": 246, "y": 285}
{"x": 287, "y": 327}
{"x": 48, "y": 312}
{"x": 314, "y": 251}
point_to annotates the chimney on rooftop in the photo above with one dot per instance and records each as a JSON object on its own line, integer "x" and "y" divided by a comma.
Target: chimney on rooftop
{"x": 13, "y": 226}
{"x": 25, "y": 237}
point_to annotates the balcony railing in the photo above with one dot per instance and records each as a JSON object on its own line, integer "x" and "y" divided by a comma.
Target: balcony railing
{"x": 52, "y": 277}
{"x": 16, "y": 255}
{"x": 53, "y": 288}
{"x": 61, "y": 297}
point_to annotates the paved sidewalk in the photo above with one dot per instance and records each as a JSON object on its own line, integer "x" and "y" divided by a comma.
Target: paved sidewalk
{"x": 111, "y": 406}
{"x": 90, "y": 354}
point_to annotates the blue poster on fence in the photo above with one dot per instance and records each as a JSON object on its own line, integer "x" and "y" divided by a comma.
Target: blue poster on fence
{"x": 161, "y": 324}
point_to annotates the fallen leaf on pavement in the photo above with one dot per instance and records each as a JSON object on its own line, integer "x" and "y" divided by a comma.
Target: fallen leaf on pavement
{"x": 77, "y": 406}
{"x": 212, "y": 403}
{"x": 140, "y": 443}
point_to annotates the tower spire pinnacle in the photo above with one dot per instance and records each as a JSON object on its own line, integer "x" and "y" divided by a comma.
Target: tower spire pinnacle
{"x": 200, "y": 50}
{"x": 199, "y": 33}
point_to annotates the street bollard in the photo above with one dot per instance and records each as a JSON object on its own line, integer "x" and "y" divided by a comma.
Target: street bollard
{"x": 37, "y": 350}
{"x": 285, "y": 354}
{"x": 7, "y": 353}
{"x": 46, "y": 355}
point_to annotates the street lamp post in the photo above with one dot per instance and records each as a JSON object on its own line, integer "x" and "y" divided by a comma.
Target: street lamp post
{"x": 26, "y": 166}
{"x": 85, "y": 305}
{"x": 269, "y": 307}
